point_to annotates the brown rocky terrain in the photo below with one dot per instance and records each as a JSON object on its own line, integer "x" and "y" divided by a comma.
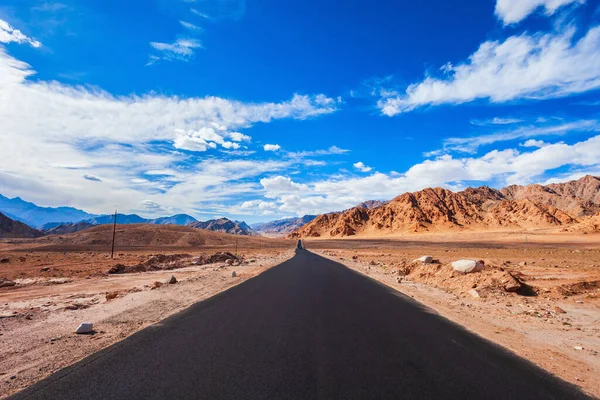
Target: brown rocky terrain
{"x": 147, "y": 235}
{"x": 578, "y": 198}
{"x": 15, "y": 229}
{"x": 483, "y": 208}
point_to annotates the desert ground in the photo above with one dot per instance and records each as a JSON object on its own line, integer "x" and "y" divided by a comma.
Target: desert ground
{"x": 63, "y": 281}
{"x": 553, "y": 319}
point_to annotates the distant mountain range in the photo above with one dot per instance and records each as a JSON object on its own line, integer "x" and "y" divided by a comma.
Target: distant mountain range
{"x": 36, "y": 216}
{"x": 281, "y": 227}
{"x": 573, "y": 205}
{"x": 64, "y": 220}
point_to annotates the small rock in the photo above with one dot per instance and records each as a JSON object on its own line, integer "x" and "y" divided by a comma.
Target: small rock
{"x": 372, "y": 263}
{"x": 425, "y": 259}
{"x": 156, "y": 285}
{"x": 71, "y": 307}
{"x": 578, "y": 348}
{"x": 6, "y": 283}
{"x": 13, "y": 377}
{"x": 522, "y": 263}
{"x": 85, "y": 327}
{"x": 513, "y": 285}
{"x": 5, "y": 261}
{"x": 233, "y": 274}
{"x": 172, "y": 280}
{"x": 473, "y": 293}
{"x": 467, "y": 266}
{"x": 229, "y": 261}
{"x": 111, "y": 295}
{"x": 45, "y": 269}
{"x": 558, "y": 310}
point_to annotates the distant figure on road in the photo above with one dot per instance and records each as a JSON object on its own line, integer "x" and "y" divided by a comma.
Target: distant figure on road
{"x": 299, "y": 245}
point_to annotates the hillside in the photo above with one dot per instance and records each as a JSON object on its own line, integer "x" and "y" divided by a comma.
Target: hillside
{"x": 281, "y": 227}
{"x": 15, "y": 229}
{"x": 67, "y": 228}
{"x": 224, "y": 225}
{"x": 144, "y": 235}
{"x": 437, "y": 209}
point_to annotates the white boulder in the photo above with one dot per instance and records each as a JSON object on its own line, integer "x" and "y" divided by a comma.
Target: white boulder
{"x": 425, "y": 259}
{"x": 85, "y": 327}
{"x": 467, "y": 266}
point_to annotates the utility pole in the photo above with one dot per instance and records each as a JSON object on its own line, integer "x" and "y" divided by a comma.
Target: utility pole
{"x": 112, "y": 251}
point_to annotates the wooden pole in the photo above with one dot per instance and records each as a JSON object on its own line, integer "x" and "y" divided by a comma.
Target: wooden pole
{"x": 112, "y": 251}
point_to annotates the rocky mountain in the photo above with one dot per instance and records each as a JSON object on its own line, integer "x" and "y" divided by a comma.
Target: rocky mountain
{"x": 281, "y": 227}
{"x": 10, "y": 228}
{"x": 224, "y": 225}
{"x": 437, "y": 209}
{"x": 34, "y": 215}
{"x": 578, "y": 198}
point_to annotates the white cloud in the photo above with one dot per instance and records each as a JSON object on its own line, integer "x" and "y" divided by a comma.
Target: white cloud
{"x": 362, "y": 167}
{"x": 52, "y": 134}
{"x": 496, "y": 121}
{"x": 182, "y": 49}
{"x": 271, "y": 147}
{"x": 280, "y": 185}
{"x": 536, "y": 66}
{"x": 190, "y": 26}
{"x": 238, "y": 137}
{"x": 333, "y": 150}
{"x": 200, "y": 13}
{"x": 9, "y": 34}
{"x": 513, "y": 11}
{"x": 471, "y": 144}
{"x": 534, "y": 143}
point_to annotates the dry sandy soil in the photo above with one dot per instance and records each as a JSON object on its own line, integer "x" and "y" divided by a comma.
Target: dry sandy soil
{"x": 557, "y": 325}
{"x": 60, "y": 287}
{"x": 62, "y": 281}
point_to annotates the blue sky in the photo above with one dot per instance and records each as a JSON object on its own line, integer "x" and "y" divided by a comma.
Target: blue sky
{"x": 264, "y": 109}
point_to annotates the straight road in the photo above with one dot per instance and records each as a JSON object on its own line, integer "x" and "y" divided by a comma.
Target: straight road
{"x": 308, "y": 328}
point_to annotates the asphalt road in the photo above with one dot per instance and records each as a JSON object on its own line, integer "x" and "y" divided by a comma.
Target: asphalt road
{"x": 309, "y": 328}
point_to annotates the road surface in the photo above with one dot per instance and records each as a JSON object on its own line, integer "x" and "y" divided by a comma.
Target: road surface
{"x": 308, "y": 328}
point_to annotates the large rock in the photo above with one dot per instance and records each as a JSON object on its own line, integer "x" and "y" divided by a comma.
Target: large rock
{"x": 6, "y": 283}
{"x": 425, "y": 259}
{"x": 172, "y": 280}
{"x": 85, "y": 327}
{"x": 467, "y": 266}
